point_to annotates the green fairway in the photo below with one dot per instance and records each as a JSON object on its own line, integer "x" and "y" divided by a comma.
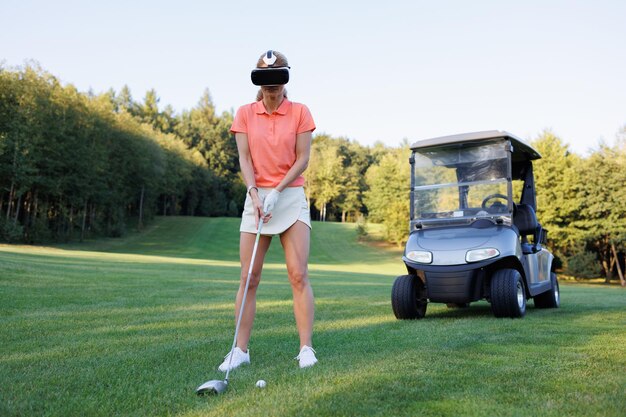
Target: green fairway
{"x": 132, "y": 326}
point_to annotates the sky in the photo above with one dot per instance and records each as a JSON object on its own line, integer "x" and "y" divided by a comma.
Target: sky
{"x": 368, "y": 70}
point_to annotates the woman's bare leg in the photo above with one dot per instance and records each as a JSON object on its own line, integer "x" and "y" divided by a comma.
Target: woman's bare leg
{"x": 246, "y": 245}
{"x": 296, "y": 243}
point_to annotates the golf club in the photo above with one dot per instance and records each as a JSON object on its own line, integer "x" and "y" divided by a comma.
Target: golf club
{"x": 217, "y": 386}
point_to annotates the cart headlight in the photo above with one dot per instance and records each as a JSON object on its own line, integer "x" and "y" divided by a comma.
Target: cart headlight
{"x": 481, "y": 254}
{"x": 420, "y": 256}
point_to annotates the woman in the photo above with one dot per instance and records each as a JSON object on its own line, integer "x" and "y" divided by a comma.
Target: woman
{"x": 273, "y": 138}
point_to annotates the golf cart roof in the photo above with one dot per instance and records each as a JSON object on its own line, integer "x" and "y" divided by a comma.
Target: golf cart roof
{"x": 521, "y": 149}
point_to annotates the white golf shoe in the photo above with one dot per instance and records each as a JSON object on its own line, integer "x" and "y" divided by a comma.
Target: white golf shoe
{"x": 306, "y": 357}
{"x": 239, "y": 357}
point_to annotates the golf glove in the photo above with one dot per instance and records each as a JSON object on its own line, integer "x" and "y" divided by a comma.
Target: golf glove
{"x": 270, "y": 201}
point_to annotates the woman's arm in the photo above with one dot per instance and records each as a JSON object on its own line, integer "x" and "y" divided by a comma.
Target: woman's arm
{"x": 247, "y": 171}
{"x": 303, "y": 154}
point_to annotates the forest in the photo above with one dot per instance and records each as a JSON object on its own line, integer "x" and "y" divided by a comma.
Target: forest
{"x": 77, "y": 165}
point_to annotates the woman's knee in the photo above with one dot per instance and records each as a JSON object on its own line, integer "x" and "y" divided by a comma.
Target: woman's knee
{"x": 298, "y": 277}
{"x": 255, "y": 279}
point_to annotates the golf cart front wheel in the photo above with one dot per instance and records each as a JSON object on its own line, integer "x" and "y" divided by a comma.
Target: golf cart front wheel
{"x": 408, "y": 298}
{"x": 508, "y": 298}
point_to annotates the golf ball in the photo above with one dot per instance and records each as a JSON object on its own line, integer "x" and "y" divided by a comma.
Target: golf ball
{"x": 261, "y": 384}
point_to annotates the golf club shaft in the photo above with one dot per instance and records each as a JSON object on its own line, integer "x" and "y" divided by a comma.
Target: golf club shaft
{"x": 245, "y": 293}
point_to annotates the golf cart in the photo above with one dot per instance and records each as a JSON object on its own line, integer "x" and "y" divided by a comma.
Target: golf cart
{"x": 469, "y": 239}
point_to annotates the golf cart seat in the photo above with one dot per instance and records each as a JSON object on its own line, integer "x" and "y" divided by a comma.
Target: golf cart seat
{"x": 525, "y": 220}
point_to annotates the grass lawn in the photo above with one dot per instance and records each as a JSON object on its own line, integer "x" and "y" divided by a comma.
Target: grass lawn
{"x": 132, "y": 326}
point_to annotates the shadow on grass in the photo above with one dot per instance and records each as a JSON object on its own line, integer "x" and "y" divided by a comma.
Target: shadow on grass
{"x": 481, "y": 309}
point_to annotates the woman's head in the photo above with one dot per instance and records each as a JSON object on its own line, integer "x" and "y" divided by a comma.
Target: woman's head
{"x": 272, "y": 59}
{"x": 275, "y": 60}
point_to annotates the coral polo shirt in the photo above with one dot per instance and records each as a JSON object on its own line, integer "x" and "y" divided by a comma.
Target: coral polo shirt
{"x": 272, "y": 138}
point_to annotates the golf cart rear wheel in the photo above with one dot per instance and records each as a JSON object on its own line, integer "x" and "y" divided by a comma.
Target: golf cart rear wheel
{"x": 408, "y": 298}
{"x": 508, "y": 298}
{"x": 552, "y": 298}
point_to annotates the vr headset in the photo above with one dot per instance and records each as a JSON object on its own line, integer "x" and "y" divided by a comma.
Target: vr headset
{"x": 270, "y": 75}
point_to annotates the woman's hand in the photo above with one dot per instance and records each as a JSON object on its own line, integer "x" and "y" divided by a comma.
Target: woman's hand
{"x": 270, "y": 201}
{"x": 257, "y": 203}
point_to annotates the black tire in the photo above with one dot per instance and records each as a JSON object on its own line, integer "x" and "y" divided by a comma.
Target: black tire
{"x": 552, "y": 298}
{"x": 408, "y": 298}
{"x": 508, "y": 298}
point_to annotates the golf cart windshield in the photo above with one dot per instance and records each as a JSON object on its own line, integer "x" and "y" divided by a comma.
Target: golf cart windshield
{"x": 460, "y": 183}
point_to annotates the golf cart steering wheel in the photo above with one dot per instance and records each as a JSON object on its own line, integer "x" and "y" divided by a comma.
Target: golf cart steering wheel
{"x": 492, "y": 196}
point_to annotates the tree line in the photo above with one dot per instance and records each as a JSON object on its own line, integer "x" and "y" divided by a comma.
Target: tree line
{"x": 582, "y": 202}
{"x": 75, "y": 164}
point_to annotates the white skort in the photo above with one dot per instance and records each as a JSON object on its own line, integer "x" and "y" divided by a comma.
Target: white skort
{"x": 290, "y": 208}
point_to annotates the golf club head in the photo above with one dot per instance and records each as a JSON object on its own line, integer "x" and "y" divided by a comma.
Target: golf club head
{"x": 214, "y": 386}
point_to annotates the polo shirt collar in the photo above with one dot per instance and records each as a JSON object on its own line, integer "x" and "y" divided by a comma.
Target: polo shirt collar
{"x": 259, "y": 108}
